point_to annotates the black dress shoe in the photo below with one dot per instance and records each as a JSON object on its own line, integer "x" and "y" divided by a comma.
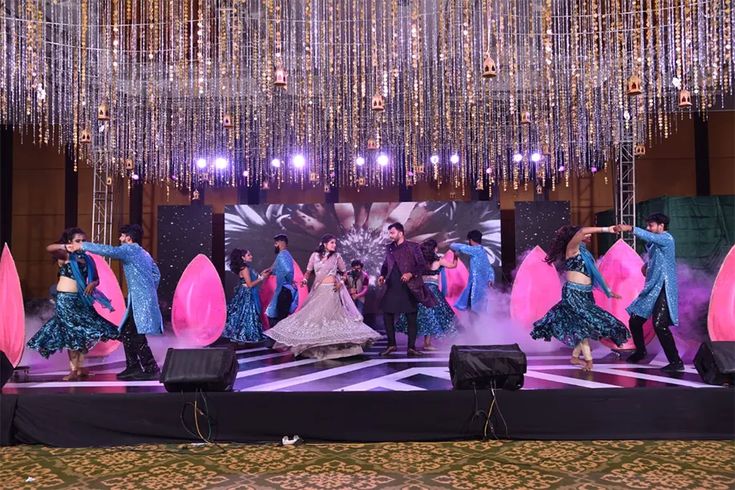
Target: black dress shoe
{"x": 673, "y": 367}
{"x": 390, "y": 350}
{"x": 129, "y": 372}
{"x": 147, "y": 375}
{"x": 636, "y": 357}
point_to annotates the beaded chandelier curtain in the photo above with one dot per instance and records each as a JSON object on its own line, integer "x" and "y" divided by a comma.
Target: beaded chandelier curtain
{"x": 359, "y": 93}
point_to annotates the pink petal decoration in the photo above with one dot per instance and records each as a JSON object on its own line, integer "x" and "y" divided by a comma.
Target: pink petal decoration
{"x": 268, "y": 287}
{"x": 12, "y": 313}
{"x": 721, "y": 315}
{"x": 199, "y": 309}
{"x": 621, "y": 268}
{"x": 456, "y": 280}
{"x": 110, "y": 287}
{"x": 536, "y": 289}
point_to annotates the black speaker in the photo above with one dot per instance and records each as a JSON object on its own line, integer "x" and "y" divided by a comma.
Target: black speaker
{"x": 6, "y": 369}
{"x": 715, "y": 362}
{"x": 487, "y": 366}
{"x": 212, "y": 369}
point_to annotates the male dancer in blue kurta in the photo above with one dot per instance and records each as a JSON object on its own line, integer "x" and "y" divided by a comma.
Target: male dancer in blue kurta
{"x": 660, "y": 296}
{"x": 481, "y": 277}
{"x": 286, "y": 296}
{"x": 143, "y": 315}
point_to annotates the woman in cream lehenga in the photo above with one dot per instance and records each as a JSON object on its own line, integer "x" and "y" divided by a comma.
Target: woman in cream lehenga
{"x": 328, "y": 325}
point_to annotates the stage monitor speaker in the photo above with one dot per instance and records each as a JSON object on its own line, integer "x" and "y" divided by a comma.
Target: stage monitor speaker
{"x": 212, "y": 369}
{"x": 6, "y": 369}
{"x": 715, "y": 362}
{"x": 487, "y": 366}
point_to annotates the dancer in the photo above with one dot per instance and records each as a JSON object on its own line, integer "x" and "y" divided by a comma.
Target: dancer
{"x": 576, "y": 318}
{"x": 286, "y": 296}
{"x": 482, "y": 276}
{"x": 143, "y": 316}
{"x": 439, "y": 320}
{"x": 243, "y": 312}
{"x": 76, "y": 325}
{"x": 660, "y": 296}
{"x": 357, "y": 282}
{"x": 328, "y": 325}
{"x": 402, "y": 274}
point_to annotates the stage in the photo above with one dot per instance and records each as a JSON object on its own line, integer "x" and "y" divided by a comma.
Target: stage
{"x": 370, "y": 398}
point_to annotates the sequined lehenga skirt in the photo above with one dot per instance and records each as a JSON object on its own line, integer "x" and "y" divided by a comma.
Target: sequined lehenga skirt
{"x": 576, "y": 317}
{"x": 74, "y": 326}
{"x": 322, "y": 329}
{"x": 243, "y": 317}
{"x": 438, "y": 321}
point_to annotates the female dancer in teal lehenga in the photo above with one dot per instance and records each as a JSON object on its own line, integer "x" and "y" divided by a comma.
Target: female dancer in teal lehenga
{"x": 243, "y": 312}
{"x": 439, "y": 320}
{"x": 76, "y": 325}
{"x": 576, "y": 318}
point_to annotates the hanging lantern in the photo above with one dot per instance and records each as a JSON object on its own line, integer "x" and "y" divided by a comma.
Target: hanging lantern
{"x": 479, "y": 186}
{"x": 361, "y": 181}
{"x": 327, "y": 188}
{"x": 489, "y": 68}
{"x": 639, "y": 150}
{"x": 378, "y": 102}
{"x": 372, "y": 144}
{"x": 419, "y": 169}
{"x": 227, "y": 121}
{"x": 86, "y": 136}
{"x": 195, "y": 195}
{"x": 128, "y": 164}
{"x": 103, "y": 112}
{"x": 108, "y": 181}
{"x": 280, "y": 77}
{"x": 313, "y": 177}
{"x": 635, "y": 86}
{"x": 525, "y": 117}
{"x": 685, "y": 98}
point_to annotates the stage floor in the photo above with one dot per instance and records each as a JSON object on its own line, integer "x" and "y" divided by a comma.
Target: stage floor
{"x": 262, "y": 369}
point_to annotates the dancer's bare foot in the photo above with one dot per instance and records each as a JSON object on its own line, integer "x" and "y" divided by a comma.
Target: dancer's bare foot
{"x": 577, "y": 361}
{"x": 72, "y": 376}
{"x": 429, "y": 347}
{"x": 587, "y": 365}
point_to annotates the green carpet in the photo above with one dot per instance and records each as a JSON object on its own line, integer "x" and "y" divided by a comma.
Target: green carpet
{"x": 470, "y": 464}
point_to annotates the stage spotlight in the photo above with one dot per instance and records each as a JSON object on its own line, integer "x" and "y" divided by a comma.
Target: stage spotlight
{"x": 201, "y": 163}
{"x": 359, "y": 161}
{"x": 134, "y": 176}
{"x": 517, "y": 157}
{"x": 383, "y": 160}
{"x": 488, "y": 170}
{"x": 454, "y": 159}
{"x": 275, "y": 163}
{"x": 434, "y": 159}
{"x": 535, "y": 156}
{"x": 299, "y": 161}
{"x": 561, "y": 168}
{"x": 626, "y": 115}
{"x": 246, "y": 173}
{"x": 593, "y": 169}
{"x": 220, "y": 163}
{"x": 676, "y": 82}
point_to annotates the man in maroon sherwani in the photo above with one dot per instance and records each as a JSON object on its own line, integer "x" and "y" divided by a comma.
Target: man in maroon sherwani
{"x": 402, "y": 273}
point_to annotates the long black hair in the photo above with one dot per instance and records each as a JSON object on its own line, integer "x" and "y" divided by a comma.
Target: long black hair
{"x": 428, "y": 249}
{"x": 237, "y": 263}
{"x": 562, "y": 237}
{"x": 322, "y": 249}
